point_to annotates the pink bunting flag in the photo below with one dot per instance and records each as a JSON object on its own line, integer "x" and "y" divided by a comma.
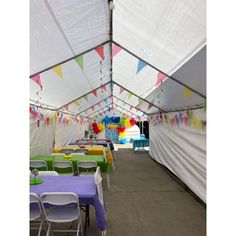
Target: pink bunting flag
{"x": 37, "y": 80}
{"x": 95, "y": 93}
{"x": 66, "y": 107}
{"x": 115, "y": 50}
{"x": 104, "y": 87}
{"x": 100, "y": 52}
{"x": 121, "y": 90}
{"x": 161, "y": 78}
{"x": 150, "y": 106}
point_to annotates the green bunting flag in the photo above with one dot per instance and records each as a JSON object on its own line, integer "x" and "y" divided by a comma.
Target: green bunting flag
{"x": 86, "y": 97}
{"x": 80, "y": 61}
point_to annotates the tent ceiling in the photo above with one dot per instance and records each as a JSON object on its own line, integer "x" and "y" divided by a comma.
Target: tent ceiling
{"x": 165, "y": 34}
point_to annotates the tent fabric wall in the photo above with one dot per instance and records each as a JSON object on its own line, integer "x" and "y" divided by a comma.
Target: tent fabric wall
{"x": 183, "y": 151}
{"x": 42, "y": 137}
{"x": 69, "y": 133}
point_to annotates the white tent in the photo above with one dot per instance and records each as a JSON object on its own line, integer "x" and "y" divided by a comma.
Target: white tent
{"x": 144, "y": 59}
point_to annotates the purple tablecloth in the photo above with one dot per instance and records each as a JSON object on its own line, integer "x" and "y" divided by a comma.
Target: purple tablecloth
{"x": 83, "y": 186}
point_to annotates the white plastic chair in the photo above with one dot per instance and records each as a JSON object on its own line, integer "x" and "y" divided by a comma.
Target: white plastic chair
{"x": 98, "y": 182}
{"x": 36, "y": 212}
{"x": 64, "y": 207}
{"x": 53, "y": 173}
{"x": 57, "y": 165}
{"x": 87, "y": 166}
{"x": 36, "y": 164}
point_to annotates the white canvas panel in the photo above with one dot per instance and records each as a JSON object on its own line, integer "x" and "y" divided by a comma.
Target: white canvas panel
{"x": 66, "y": 134}
{"x": 164, "y": 33}
{"x": 62, "y": 29}
{"x": 171, "y": 95}
{"x": 47, "y": 45}
{"x": 183, "y": 151}
{"x": 42, "y": 137}
{"x": 85, "y": 23}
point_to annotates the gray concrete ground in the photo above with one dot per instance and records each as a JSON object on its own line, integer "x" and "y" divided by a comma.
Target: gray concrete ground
{"x": 145, "y": 201}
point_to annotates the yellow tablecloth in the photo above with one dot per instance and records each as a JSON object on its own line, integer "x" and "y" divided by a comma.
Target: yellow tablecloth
{"x": 92, "y": 150}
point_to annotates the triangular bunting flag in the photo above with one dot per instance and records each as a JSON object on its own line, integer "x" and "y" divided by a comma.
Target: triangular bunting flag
{"x": 99, "y": 104}
{"x": 66, "y": 107}
{"x": 139, "y": 100}
{"x": 161, "y": 78}
{"x": 100, "y": 52}
{"x": 86, "y": 97}
{"x": 129, "y": 95}
{"x": 111, "y": 85}
{"x": 58, "y": 70}
{"x": 80, "y": 61}
{"x": 104, "y": 87}
{"x": 115, "y": 50}
{"x": 77, "y": 102}
{"x": 141, "y": 65}
{"x": 37, "y": 80}
{"x": 105, "y": 100}
{"x": 131, "y": 107}
{"x": 187, "y": 92}
{"x": 150, "y": 106}
{"x": 95, "y": 93}
{"x": 92, "y": 108}
{"x": 121, "y": 90}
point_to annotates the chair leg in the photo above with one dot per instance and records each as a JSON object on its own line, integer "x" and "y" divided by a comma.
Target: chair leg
{"x": 113, "y": 165}
{"x": 40, "y": 228}
{"x": 108, "y": 180}
{"x": 49, "y": 228}
{"x": 104, "y": 233}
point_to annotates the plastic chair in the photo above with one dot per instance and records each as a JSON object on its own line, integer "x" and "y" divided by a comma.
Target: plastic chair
{"x": 36, "y": 212}
{"x": 87, "y": 167}
{"x": 64, "y": 208}
{"x": 53, "y": 173}
{"x": 65, "y": 150}
{"x": 63, "y": 165}
{"x": 38, "y": 164}
{"x": 98, "y": 182}
{"x": 81, "y": 151}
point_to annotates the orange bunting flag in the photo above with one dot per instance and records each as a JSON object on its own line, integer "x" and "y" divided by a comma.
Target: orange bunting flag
{"x": 100, "y": 52}
{"x": 58, "y": 70}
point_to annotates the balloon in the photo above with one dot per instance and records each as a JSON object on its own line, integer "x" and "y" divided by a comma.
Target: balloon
{"x": 132, "y": 121}
{"x": 127, "y": 124}
{"x": 122, "y": 135}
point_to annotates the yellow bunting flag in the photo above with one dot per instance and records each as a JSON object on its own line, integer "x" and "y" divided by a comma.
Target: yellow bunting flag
{"x": 129, "y": 95}
{"x": 58, "y": 70}
{"x": 77, "y": 102}
{"x": 187, "y": 92}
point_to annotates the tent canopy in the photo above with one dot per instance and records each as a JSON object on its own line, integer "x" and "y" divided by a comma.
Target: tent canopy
{"x": 150, "y": 59}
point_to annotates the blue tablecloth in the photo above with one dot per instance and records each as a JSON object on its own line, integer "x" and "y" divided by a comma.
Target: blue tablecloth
{"x": 140, "y": 142}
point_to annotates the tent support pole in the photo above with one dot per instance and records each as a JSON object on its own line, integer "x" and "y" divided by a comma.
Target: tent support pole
{"x": 98, "y": 110}
{"x": 126, "y": 110}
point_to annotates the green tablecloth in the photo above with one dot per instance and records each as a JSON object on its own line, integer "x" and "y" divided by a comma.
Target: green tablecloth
{"x": 104, "y": 166}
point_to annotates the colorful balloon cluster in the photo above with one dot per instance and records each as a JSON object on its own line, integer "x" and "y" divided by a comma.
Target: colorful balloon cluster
{"x": 122, "y": 124}
{"x": 97, "y": 128}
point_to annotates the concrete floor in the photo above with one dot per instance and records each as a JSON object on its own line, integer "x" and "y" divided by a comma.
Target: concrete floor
{"x": 145, "y": 201}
